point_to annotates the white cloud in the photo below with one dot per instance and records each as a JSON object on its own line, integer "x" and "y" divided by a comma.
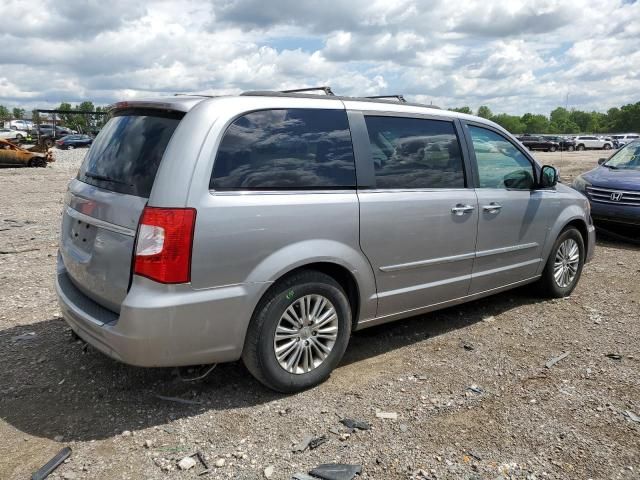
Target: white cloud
{"x": 514, "y": 56}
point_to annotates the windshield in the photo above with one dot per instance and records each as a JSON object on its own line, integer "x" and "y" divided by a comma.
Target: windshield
{"x": 627, "y": 158}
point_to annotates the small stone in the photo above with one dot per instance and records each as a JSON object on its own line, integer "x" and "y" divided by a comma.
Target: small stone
{"x": 387, "y": 415}
{"x": 126, "y": 433}
{"x": 69, "y": 476}
{"x": 489, "y": 319}
{"x": 268, "y": 472}
{"x": 220, "y": 462}
{"x": 186, "y": 463}
{"x": 148, "y": 444}
{"x": 58, "y": 438}
{"x": 403, "y": 428}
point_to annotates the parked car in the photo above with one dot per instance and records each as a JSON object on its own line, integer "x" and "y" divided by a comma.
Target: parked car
{"x": 621, "y": 140}
{"x": 613, "y": 188}
{"x": 13, "y": 156}
{"x": 74, "y": 141}
{"x": 591, "y": 142}
{"x": 10, "y": 134}
{"x": 269, "y": 226}
{"x": 539, "y": 143}
{"x": 564, "y": 143}
{"x": 25, "y": 125}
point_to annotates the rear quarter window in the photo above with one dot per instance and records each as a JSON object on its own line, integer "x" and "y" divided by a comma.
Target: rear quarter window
{"x": 286, "y": 149}
{"x": 126, "y": 154}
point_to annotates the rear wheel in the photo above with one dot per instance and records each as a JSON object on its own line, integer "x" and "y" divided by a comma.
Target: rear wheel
{"x": 571, "y": 148}
{"x": 298, "y": 333}
{"x": 19, "y": 137}
{"x": 580, "y": 148}
{"x": 553, "y": 148}
{"x": 607, "y": 146}
{"x": 70, "y": 147}
{"x": 564, "y": 265}
{"x": 37, "y": 162}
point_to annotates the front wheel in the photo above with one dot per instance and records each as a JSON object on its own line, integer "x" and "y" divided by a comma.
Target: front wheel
{"x": 580, "y": 148}
{"x": 571, "y": 148}
{"x": 607, "y": 146}
{"x": 298, "y": 333}
{"x": 564, "y": 265}
{"x": 553, "y": 148}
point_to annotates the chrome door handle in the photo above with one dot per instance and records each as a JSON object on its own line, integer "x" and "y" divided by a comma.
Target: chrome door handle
{"x": 460, "y": 209}
{"x": 493, "y": 207}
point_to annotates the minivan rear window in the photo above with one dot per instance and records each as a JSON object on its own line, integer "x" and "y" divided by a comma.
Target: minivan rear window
{"x": 126, "y": 154}
{"x": 286, "y": 149}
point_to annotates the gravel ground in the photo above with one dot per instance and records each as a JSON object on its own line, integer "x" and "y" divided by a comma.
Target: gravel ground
{"x": 469, "y": 385}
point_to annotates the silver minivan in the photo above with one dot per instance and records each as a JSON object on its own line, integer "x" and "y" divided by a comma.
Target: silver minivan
{"x": 268, "y": 226}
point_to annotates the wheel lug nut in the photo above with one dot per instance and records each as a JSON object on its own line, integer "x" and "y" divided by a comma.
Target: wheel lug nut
{"x": 315, "y": 333}
{"x": 306, "y": 342}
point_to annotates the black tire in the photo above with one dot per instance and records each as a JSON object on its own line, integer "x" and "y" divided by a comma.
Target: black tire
{"x": 553, "y": 148}
{"x": 571, "y": 148}
{"x": 580, "y": 148}
{"x": 19, "y": 137}
{"x": 37, "y": 162}
{"x": 607, "y": 146}
{"x": 258, "y": 354}
{"x": 547, "y": 283}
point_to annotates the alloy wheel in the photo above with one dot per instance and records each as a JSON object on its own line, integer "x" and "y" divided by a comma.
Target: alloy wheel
{"x": 306, "y": 334}
{"x": 565, "y": 267}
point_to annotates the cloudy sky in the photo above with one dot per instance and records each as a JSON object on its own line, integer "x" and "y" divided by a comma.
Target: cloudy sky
{"x": 514, "y": 56}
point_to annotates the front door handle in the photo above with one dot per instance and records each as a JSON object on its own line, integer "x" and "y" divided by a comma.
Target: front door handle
{"x": 493, "y": 207}
{"x": 460, "y": 209}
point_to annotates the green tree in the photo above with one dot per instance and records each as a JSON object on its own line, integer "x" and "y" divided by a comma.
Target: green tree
{"x": 485, "y": 112}
{"x": 18, "y": 113}
{"x": 4, "y": 113}
{"x": 511, "y": 123}
{"x": 462, "y": 110}
{"x": 35, "y": 117}
{"x": 535, "y": 123}
{"x": 582, "y": 119}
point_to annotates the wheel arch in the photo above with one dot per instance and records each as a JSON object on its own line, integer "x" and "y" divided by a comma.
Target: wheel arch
{"x": 572, "y": 216}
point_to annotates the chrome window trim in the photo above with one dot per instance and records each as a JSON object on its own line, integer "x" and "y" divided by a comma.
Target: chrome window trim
{"x": 100, "y": 223}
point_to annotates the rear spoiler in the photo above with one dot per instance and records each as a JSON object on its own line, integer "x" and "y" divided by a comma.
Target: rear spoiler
{"x": 176, "y": 104}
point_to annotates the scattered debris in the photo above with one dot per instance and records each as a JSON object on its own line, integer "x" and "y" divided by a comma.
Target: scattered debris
{"x": 355, "y": 424}
{"x": 268, "y": 472}
{"x": 316, "y": 442}
{"x": 632, "y": 416}
{"x": 24, "y": 336}
{"x": 11, "y": 252}
{"x": 52, "y": 464}
{"x": 386, "y": 415}
{"x": 186, "y": 463}
{"x": 468, "y": 347}
{"x": 555, "y": 360}
{"x": 489, "y": 319}
{"x": 403, "y": 428}
{"x": 303, "y": 444}
{"x": 147, "y": 444}
{"x": 475, "y": 389}
{"x": 302, "y": 476}
{"x": 58, "y": 438}
{"x": 220, "y": 462}
{"x": 614, "y": 356}
{"x": 336, "y": 471}
{"x": 179, "y": 400}
{"x": 126, "y": 433}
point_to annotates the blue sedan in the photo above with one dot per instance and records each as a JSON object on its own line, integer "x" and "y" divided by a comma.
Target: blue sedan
{"x": 74, "y": 141}
{"x": 613, "y": 188}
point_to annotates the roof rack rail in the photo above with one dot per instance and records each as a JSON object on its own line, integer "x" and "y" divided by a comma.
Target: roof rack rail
{"x": 326, "y": 90}
{"x": 194, "y": 95}
{"x": 400, "y": 98}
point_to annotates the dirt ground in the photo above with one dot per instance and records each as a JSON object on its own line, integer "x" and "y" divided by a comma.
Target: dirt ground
{"x": 469, "y": 384}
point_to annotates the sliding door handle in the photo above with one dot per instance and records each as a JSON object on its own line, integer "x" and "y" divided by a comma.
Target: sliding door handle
{"x": 460, "y": 209}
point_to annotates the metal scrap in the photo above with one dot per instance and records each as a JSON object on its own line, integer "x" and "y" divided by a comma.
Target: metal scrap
{"x": 555, "y": 360}
{"x": 52, "y": 464}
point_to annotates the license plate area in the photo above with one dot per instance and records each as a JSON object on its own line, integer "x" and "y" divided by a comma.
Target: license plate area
{"x": 82, "y": 234}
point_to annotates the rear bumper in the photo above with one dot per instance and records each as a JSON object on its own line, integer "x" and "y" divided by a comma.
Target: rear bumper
{"x": 163, "y": 325}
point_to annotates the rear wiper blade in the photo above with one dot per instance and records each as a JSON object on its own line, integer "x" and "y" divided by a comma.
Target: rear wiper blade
{"x": 612, "y": 167}
{"x": 105, "y": 178}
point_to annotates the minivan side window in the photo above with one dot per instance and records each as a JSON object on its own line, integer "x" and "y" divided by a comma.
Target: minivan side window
{"x": 500, "y": 163}
{"x": 415, "y": 153}
{"x": 286, "y": 149}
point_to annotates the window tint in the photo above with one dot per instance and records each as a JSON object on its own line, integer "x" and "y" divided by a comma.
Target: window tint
{"x": 415, "y": 153}
{"x": 500, "y": 163}
{"x": 286, "y": 149}
{"x": 126, "y": 153}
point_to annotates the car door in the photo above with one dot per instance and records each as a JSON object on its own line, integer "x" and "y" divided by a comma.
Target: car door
{"x": 418, "y": 218}
{"x": 513, "y": 216}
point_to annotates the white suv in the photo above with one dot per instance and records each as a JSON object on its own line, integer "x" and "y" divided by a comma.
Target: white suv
{"x": 625, "y": 138}
{"x": 587, "y": 142}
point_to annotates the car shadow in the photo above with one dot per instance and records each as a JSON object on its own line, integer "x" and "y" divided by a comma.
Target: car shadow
{"x": 52, "y": 385}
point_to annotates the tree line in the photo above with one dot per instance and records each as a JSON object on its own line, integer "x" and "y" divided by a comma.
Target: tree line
{"x": 75, "y": 117}
{"x": 563, "y": 121}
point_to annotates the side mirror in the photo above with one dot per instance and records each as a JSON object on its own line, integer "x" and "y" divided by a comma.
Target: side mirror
{"x": 601, "y": 161}
{"x": 519, "y": 180}
{"x": 548, "y": 177}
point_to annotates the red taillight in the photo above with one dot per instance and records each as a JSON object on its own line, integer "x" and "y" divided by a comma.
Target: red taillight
{"x": 163, "y": 246}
